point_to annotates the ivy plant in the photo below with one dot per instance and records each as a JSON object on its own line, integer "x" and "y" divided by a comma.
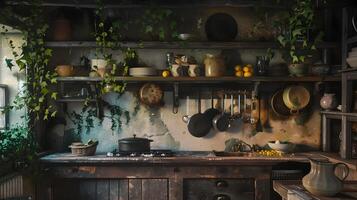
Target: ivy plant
{"x": 295, "y": 39}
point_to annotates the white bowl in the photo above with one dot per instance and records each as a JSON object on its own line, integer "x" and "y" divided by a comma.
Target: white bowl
{"x": 142, "y": 71}
{"x": 352, "y": 61}
{"x": 185, "y": 36}
{"x": 284, "y": 147}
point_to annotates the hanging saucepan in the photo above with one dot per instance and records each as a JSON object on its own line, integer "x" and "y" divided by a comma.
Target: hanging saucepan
{"x": 199, "y": 124}
{"x": 134, "y": 144}
{"x": 296, "y": 98}
{"x": 151, "y": 94}
{"x": 278, "y": 106}
{"x": 211, "y": 112}
{"x": 221, "y": 121}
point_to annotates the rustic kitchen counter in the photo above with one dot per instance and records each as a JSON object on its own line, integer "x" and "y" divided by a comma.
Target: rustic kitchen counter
{"x": 206, "y": 158}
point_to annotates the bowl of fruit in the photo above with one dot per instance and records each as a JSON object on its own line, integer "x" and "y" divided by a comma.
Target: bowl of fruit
{"x": 283, "y": 146}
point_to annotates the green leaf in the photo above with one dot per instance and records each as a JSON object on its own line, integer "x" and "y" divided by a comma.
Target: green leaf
{"x": 9, "y": 63}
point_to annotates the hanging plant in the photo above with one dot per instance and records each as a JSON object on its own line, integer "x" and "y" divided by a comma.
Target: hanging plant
{"x": 32, "y": 60}
{"x": 296, "y": 26}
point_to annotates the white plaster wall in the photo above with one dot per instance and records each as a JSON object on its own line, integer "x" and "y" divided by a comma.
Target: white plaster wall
{"x": 13, "y": 79}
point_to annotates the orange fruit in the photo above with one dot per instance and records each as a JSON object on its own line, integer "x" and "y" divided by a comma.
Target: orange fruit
{"x": 239, "y": 74}
{"x": 238, "y": 68}
{"x": 248, "y": 74}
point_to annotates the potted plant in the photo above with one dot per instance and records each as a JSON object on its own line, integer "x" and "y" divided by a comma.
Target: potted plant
{"x": 295, "y": 37}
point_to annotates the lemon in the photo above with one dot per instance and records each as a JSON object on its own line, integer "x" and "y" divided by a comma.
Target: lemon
{"x": 238, "y": 68}
{"x": 239, "y": 74}
{"x": 165, "y": 73}
{"x": 246, "y": 69}
{"x": 248, "y": 74}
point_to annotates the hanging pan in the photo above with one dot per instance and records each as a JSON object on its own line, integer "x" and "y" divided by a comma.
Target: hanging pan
{"x": 199, "y": 124}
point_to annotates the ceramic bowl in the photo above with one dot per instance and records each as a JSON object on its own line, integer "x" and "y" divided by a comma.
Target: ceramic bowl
{"x": 185, "y": 36}
{"x": 297, "y": 69}
{"x": 282, "y": 146}
{"x": 65, "y": 70}
{"x": 352, "y": 61}
{"x": 320, "y": 70}
{"x": 98, "y": 64}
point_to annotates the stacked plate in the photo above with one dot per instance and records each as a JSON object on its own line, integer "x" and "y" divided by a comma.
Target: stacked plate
{"x": 352, "y": 57}
{"x": 142, "y": 71}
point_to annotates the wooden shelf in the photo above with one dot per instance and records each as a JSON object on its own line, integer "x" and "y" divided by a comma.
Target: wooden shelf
{"x": 158, "y": 3}
{"x": 338, "y": 115}
{"x": 65, "y": 100}
{"x": 194, "y": 80}
{"x": 183, "y": 45}
{"x": 334, "y": 157}
{"x": 347, "y": 70}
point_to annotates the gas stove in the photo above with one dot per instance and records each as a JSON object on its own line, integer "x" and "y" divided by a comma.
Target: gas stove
{"x": 152, "y": 153}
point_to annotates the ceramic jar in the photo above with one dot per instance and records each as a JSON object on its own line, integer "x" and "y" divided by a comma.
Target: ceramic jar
{"x": 328, "y": 101}
{"x": 322, "y": 179}
{"x": 214, "y": 66}
{"x": 194, "y": 70}
{"x": 65, "y": 70}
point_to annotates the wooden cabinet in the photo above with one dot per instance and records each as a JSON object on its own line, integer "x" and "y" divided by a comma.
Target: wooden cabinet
{"x": 110, "y": 189}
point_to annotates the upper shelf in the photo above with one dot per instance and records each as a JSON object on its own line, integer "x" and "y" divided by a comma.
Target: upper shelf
{"x": 206, "y": 79}
{"x": 159, "y": 3}
{"x": 185, "y": 45}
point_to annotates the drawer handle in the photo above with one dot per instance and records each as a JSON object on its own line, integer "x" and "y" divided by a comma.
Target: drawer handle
{"x": 221, "y": 184}
{"x": 221, "y": 197}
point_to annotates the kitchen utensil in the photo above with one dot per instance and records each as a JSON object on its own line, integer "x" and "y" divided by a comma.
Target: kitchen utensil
{"x": 211, "y": 112}
{"x": 232, "y": 118}
{"x": 266, "y": 126}
{"x": 239, "y": 114}
{"x": 258, "y": 126}
{"x": 65, "y": 70}
{"x": 199, "y": 124}
{"x": 214, "y": 66}
{"x": 151, "y": 94}
{"x": 221, "y": 27}
{"x": 186, "y": 118}
{"x": 221, "y": 121}
{"x": 142, "y": 71}
{"x": 134, "y": 144}
{"x": 296, "y": 98}
{"x": 322, "y": 180}
{"x": 328, "y": 101}
{"x": 281, "y": 146}
{"x": 278, "y": 106}
{"x": 354, "y": 23}
{"x": 246, "y": 117}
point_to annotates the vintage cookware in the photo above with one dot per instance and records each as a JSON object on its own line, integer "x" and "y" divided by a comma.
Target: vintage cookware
{"x": 328, "y": 101}
{"x": 134, "y": 144}
{"x": 278, "y": 106}
{"x": 296, "y": 98}
{"x": 322, "y": 179}
{"x": 221, "y": 27}
{"x": 221, "y": 121}
{"x": 186, "y": 117}
{"x": 151, "y": 94}
{"x": 65, "y": 70}
{"x": 214, "y": 65}
{"x": 199, "y": 124}
{"x": 211, "y": 112}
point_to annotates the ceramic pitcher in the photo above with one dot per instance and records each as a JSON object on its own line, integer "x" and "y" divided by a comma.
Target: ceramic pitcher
{"x": 322, "y": 179}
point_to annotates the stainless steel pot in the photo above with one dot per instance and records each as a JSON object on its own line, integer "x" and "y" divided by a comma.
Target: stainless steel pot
{"x": 134, "y": 144}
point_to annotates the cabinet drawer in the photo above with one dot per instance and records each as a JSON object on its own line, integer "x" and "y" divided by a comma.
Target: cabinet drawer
{"x": 218, "y": 189}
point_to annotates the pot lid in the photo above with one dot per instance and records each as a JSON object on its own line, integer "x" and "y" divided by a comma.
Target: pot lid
{"x": 135, "y": 139}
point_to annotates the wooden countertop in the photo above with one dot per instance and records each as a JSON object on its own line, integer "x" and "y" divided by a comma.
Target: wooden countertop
{"x": 284, "y": 187}
{"x": 191, "y": 158}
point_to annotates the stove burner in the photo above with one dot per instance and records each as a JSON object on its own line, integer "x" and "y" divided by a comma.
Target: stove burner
{"x": 152, "y": 153}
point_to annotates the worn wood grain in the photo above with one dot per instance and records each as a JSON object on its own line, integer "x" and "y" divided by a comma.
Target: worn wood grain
{"x": 103, "y": 190}
{"x": 135, "y": 189}
{"x": 155, "y": 189}
{"x": 88, "y": 189}
{"x": 124, "y": 189}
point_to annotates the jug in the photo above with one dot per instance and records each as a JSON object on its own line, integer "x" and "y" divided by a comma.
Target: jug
{"x": 322, "y": 179}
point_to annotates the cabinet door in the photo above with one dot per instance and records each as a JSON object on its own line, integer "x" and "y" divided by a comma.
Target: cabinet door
{"x": 148, "y": 189}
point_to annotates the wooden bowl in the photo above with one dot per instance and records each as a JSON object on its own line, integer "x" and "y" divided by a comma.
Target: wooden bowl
{"x": 65, "y": 70}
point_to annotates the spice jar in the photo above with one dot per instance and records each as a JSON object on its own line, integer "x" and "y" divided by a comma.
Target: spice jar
{"x": 214, "y": 66}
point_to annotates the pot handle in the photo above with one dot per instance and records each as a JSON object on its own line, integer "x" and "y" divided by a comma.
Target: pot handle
{"x": 346, "y": 170}
{"x": 294, "y": 112}
{"x": 354, "y": 24}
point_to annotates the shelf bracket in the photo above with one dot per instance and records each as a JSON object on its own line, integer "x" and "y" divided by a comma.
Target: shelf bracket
{"x": 175, "y": 99}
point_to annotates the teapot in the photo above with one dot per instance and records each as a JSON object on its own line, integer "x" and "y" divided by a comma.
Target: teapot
{"x": 322, "y": 179}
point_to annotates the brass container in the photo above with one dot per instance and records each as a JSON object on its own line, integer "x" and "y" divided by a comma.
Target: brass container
{"x": 214, "y": 66}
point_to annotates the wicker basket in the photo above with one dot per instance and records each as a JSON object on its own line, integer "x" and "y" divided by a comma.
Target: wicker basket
{"x": 84, "y": 150}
